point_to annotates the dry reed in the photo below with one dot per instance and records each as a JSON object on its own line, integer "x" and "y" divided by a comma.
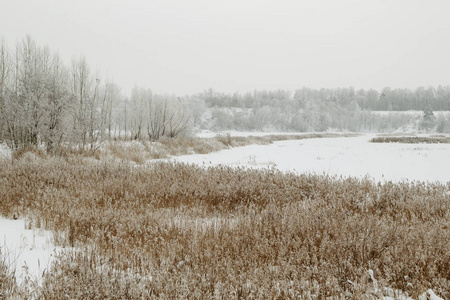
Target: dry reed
{"x": 412, "y": 140}
{"x": 177, "y": 231}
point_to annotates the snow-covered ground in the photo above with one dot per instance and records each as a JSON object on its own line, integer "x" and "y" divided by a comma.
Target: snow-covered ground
{"x": 5, "y": 152}
{"x": 346, "y": 156}
{"x": 414, "y": 113}
{"x": 28, "y": 252}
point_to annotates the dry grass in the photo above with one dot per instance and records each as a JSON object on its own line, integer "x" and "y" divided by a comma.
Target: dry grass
{"x": 8, "y": 286}
{"x": 28, "y": 152}
{"x": 400, "y": 134}
{"x": 412, "y": 140}
{"x": 176, "y": 231}
{"x": 140, "y": 152}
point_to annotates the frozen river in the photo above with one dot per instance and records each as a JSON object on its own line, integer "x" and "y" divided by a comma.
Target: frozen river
{"x": 346, "y": 156}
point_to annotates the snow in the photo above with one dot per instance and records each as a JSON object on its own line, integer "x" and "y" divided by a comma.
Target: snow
{"x": 341, "y": 156}
{"x": 431, "y": 294}
{"x": 27, "y": 252}
{"x": 30, "y": 252}
{"x": 413, "y": 113}
{"x": 5, "y": 152}
{"x": 396, "y": 294}
{"x": 400, "y": 295}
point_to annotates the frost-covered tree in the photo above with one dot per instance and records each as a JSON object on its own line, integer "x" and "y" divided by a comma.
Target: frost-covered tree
{"x": 155, "y": 116}
{"x": 4, "y": 76}
{"x": 45, "y": 103}
{"x": 34, "y": 96}
{"x": 57, "y": 105}
{"x": 139, "y": 101}
{"x": 168, "y": 116}
{"x": 85, "y": 88}
{"x": 110, "y": 98}
{"x": 24, "y": 103}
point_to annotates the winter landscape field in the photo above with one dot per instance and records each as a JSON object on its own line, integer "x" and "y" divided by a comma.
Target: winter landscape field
{"x": 238, "y": 149}
{"x": 348, "y": 156}
{"x": 318, "y": 216}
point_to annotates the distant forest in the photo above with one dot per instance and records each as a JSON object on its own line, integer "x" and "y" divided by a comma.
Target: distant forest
{"x": 46, "y": 102}
{"x": 385, "y": 100}
{"x": 324, "y": 109}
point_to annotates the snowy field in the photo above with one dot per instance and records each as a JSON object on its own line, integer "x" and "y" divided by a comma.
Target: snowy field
{"x": 27, "y": 252}
{"x": 414, "y": 113}
{"x": 346, "y": 156}
{"x": 30, "y": 252}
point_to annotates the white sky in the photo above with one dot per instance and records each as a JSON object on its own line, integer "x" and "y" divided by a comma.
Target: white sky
{"x": 187, "y": 46}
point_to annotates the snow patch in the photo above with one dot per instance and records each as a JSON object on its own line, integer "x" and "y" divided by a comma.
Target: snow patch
{"x": 5, "y": 151}
{"x": 26, "y": 252}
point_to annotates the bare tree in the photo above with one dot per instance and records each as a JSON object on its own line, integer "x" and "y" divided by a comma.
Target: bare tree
{"x": 167, "y": 117}
{"x": 179, "y": 119}
{"x": 33, "y": 95}
{"x": 58, "y": 104}
{"x": 158, "y": 110}
{"x": 85, "y": 89}
{"x": 23, "y": 107}
{"x": 138, "y": 109}
{"x": 42, "y": 102}
{"x": 4, "y": 74}
{"x": 110, "y": 98}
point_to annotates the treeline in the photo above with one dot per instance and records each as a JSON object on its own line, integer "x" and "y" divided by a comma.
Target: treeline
{"x": 318, "y": 110}
{"x": 436, "y": 99}
{"x": 47, "y": 103}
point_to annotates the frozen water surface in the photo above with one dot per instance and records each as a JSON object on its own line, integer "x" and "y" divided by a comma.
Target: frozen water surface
{"x": 346, "y": 156}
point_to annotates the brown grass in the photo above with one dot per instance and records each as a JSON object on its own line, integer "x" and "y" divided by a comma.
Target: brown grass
{"x": 140, "y": 152}
{"x": 8, "y": 286}
{"x": 412, "y": 140}
{"x": 29, "y": 152}
{"x": 176, "y": 231}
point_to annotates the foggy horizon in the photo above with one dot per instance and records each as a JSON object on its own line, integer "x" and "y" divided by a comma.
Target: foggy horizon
{"x": 182, "y": 48}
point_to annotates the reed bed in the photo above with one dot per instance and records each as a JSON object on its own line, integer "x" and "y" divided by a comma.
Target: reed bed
{"x": 175, "y": 231}
{"x": 140, "y": 152}
{"x": 412, "y": 139}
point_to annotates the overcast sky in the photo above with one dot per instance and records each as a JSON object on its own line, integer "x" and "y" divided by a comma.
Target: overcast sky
{"x": 188, "y": 46}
